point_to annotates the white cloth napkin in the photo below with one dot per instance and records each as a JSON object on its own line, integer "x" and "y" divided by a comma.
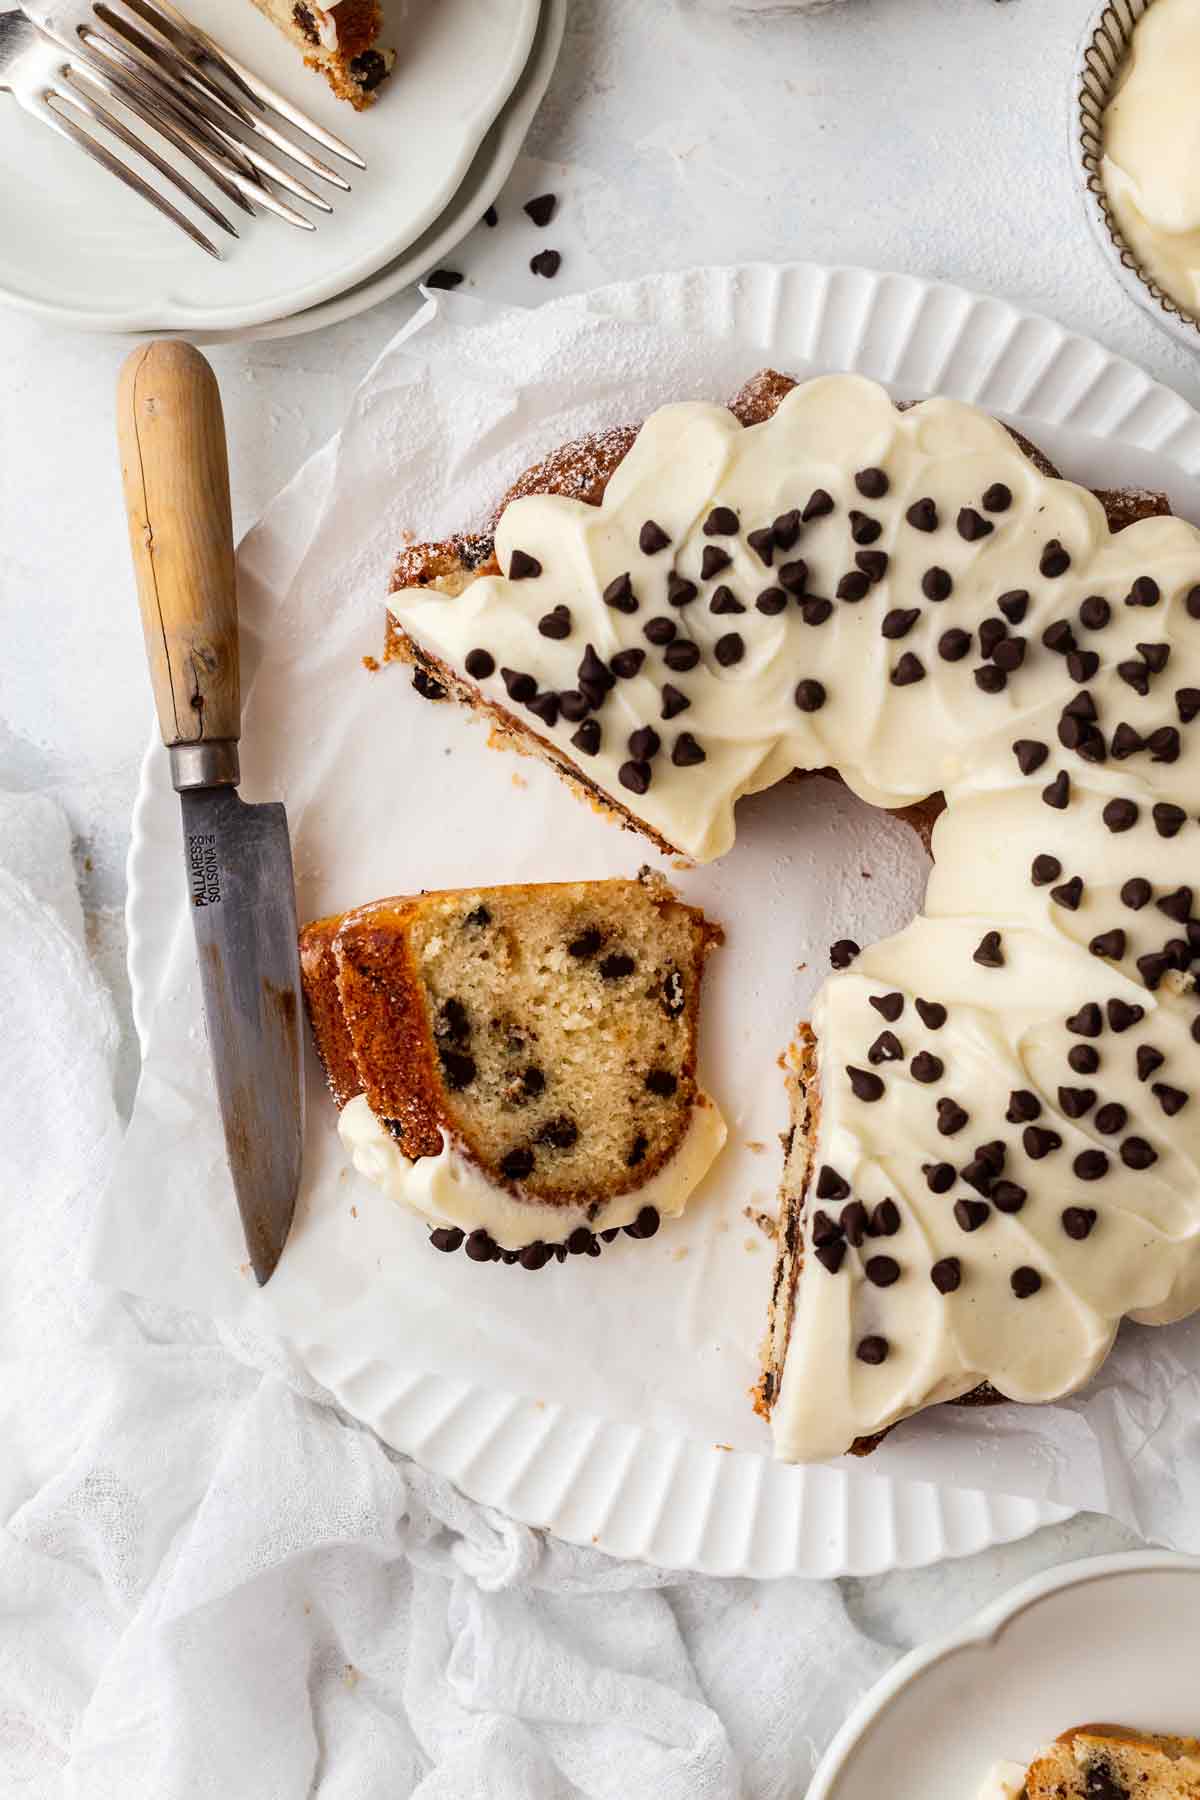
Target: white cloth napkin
{"x": 214, "y": 1584}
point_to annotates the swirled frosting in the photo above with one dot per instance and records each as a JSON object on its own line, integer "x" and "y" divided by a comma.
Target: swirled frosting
{"x": 1006, "y": 1159}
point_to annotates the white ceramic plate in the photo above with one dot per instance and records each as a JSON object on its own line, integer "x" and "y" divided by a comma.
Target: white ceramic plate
{"x": 75, "y": 247}
{"x": 482, "y": 183}
{"x": 633, "y": 1490}
{"x": 1117, "y": 1638}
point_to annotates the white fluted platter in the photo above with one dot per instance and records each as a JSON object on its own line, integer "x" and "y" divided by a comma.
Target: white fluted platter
{"x": 633, "y": 1479}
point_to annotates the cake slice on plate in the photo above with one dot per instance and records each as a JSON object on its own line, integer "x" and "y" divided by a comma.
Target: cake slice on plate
{"x": 518, "y": 1064}
{"x": 340, "y": 40}
{"x": 1103, "y": 1762}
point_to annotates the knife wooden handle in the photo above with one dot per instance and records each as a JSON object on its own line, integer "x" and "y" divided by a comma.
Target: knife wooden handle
{"x": 176, "y": 476}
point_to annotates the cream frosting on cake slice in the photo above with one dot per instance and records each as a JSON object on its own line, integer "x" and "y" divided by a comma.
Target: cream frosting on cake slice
{"x": 1005, "y": 1142}
{"x": 340, "y": 40}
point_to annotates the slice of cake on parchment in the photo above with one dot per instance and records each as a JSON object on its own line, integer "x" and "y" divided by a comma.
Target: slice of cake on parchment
{"x": 518, "y": 1064}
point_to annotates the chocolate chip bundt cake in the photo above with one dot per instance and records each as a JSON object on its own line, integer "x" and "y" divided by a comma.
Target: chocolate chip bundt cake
{"x": 996, "y": 1156}
{"x": 341, "y": 40}
{"x": 518, "y": 1064}
{"x": 1109, "y": 1762}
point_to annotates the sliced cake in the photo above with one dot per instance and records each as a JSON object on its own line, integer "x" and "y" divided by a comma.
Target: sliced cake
{"x": 340, "y": 40}
{"x": 1107, "y": 1762}
{"x": 518, "y": 1064}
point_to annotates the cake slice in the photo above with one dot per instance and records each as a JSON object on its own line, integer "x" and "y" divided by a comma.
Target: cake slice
{"x": 340, "y": 40}
{"x": 518, "y": 1064}
{"x": 1110, "y": 1762}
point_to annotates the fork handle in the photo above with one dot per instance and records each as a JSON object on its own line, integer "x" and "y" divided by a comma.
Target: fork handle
{"x": 176, "y": 477}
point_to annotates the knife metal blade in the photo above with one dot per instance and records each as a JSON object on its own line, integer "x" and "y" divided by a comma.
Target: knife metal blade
{"x": 243, "y": 904}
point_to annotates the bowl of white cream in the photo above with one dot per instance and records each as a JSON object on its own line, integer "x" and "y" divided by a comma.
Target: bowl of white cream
{"x": 1136, "y": 121}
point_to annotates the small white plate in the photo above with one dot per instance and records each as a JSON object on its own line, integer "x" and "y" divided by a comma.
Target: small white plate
{"x": 482, "y": 183}
{"x": 78, "y": 249}
{"x": 1116, "y": 1638}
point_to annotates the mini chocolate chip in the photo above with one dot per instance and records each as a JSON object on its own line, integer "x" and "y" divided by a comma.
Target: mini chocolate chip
{"x": 971, "y": 1214}
{"x": 687, "y": 753}
{"x": 555, "y": 624}
{"x": 1126, "y": 741}
{"x": 899, "y": 621}
{"x": 1009, "y": 654}
{"x": 885, "y": 1220}
{"x": 854, "y": 1222}
{"x": 939, "y": 1177}
{"x": 772, "y": 600}
{"x": 1153, "y": 966}
{"x": 443, "y": 278}
{"x": 762, "y": 542}
{"x": 521, "y": 687}
{"x": 673, "y": 702}
{"x": 637, "y": 1154}
{"x": 922, "y": 515}
{"x": 1069, "y": 893}
{"x": 587, "y": 943}
{"x": 794, "y": 576}
{"x": 1014, "y": 605}
{"x": 1055, "y": 560}
{"x": 1075, "y": 1102}
{"x": 1155, "y": 656}
{"x": 645, "y": 1225}
{"x": 652, "y": 538}
{"x": 541, "y": 209}
{"x": 843, "y": 953}
{"x": 1136, "y": 1153}
{"x": 713, "y": 561}
{"x": 997, "y": 498}
{"x": 1109, "y": 943}
{"x": 882, "y": 1271}
{"x": 617, "y": 966}
{"x": 1008, "y": 1196}
{"x": 722, "y": 521}
{"x": 972, "y": 525}
{"x": 1171, "y": 1099}
{"x": 831, "y": 1185}
{"x": 926, "y": 1067}
{"x": 1168, "y": 819}
{"x": 908, "y": 670}
{"x": 579, "y": 1241}
{"x": 491, "y": 217}
{"x": 815, "y": 611}
{"x": 680, "y": 591}
{"x": 644, "y": 743}
{"x": 561, "y": 1133}
{"x": 886, "y": 1048}
{"x": 863, "y": 1084}
{"x": 946, "y": 1275}
{"x": 545, "y": 707}
{"x": 729, "y": 649}
{"x": 873, "y": 1350}
{"x": 863, "y": 528}
{"x": 587, "y": 738}
{"x": 592, "y": 672}
{"x": 481, "y": 1247}
{"x": 480, "y": 664}
{"x": 662, "y": 1082}
{"x": 681, "y": 655}
{"x": 951, "y": 1117}
{"x": 620, "y": 596}
{"x": 954, "y": 644}
{"x": 626, "y": 663}
{"x": 1136, "y": 675}
{"x": 1192, "y": 603}
{"x": 932, "y": 1014}
{"x": 1136, "y": 892}
{"x": 1039, "y": 1141}
{"x": 522, "y": 566}
{"x": 1058, "y": 793}
{"x": 1148, "y": 1061}
{"x": 990, "y": 680}
{"x": 533, "y": 1082}
{"x": 1023, "y": 1104}
{"x": 1088, "y": 1021}
{"x": 810, "y": 696}
{"x": 1090, "y": 1165}
{"x": 1082, "y": 665}
{"x": 546, "y": 263}
{"x": 872, "y": 483}
{"x": 636, "y": 776}
{"x": 990, "y": 954}
{"x": 1111, "y": 1118}
{"x": 659, "y": 631}
{"x": 1164, "y": 744}
{"x": 936, "y": 584}
{"x": 854, "y": 585}
{"x": 1059, "y": 637}
{"x": 1095, "y": 612}
{"x": 1187, "y": 699}
{"x": 786, "y": 528}
{"x": 992, "y": 633}
{"x": 446, "y": 1237}
{"x": 573, "y": 705}
{"x": 831, "y": 1255}
{"x": 1177, "y": 904}
{"x": 1084, "y": 1058}
{"x": 889, "y": 1006}
{"x": 1078, "y": 1222}
{"x": 1025, "y": 1282}
{"x": 1144, "y": 592}
{"x": 1045, "y": 869}
{"x": 873, "y": 563}
{"x": 517, "y": 1164}
{"x": 1121, "y": 1015}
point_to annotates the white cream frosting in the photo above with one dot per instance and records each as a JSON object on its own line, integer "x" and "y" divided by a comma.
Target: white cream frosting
{"x": 1006, "y": 1028}
{"x": 452, "y": 1189}
{"x": 1003, "y": 1781}
{"x": 1151, "y": 164}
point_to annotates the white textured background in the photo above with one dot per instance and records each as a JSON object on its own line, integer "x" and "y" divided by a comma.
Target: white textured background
{"x": 924, "y": 135}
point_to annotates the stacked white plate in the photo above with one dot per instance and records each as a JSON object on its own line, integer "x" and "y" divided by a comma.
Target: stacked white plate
{"x": 442, "y": 138}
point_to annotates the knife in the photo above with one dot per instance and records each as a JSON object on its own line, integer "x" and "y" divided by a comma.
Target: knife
{"x": 237, "y": 857}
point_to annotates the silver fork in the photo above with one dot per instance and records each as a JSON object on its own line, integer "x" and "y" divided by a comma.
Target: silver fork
{"x": 60, "y": 92}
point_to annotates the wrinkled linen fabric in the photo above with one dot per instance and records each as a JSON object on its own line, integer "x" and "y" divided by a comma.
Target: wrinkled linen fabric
{"x": 214, "y": 1583}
